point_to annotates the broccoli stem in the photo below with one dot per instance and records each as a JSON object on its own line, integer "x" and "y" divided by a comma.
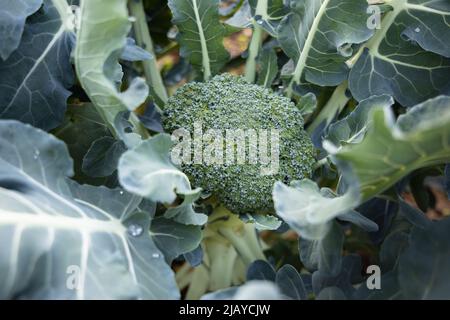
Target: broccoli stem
{"x": 253, "y": 51}
{"x": 256, "y": 42}
{"x": 138, "y": 127}
{"x": 321, "y": 162}
{"x": 230, "y": 246}
{"x": 334, "y": 106}
{"x": 245, "y": 243}
{"x": 144, "y": 39}
{"x": 184, "y": 275}
{"x": 242, "y": 236}
{"x": 222, "y": 257}
{"x": 199, "y": 283}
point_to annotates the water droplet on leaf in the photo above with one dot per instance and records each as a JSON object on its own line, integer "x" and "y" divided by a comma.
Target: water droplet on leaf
{"x": 417, "y": 29}
{"x": 135, "y": 230}
{"x": 155, "y": 255}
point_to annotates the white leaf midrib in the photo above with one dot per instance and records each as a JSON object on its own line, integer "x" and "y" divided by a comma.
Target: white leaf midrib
{"x": 37, "y": 63}
{"x": 62, "y": 7}
{"x": 398, "y": 6}
{"x": 301, "y": 63}
{"x": 61, "y": 222}
{"x": 205, "y": 53}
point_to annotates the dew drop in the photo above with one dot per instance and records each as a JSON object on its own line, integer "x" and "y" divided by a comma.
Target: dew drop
{"x": 155, "y": 255}
{"x": 121, "y": 192}
{"x": 132, "y": 19}
{"x": 172, "y": 33}
{"x": 135, "y": 230}
{"x": 260, "y": 22}
{"x": 36, "y": 154}
{"x": 417, "y": 29}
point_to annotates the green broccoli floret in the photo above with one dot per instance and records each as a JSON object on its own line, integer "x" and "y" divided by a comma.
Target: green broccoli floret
{"x": 229, "y": 102}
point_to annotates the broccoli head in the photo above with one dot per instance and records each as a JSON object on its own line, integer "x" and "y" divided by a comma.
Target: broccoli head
{"x": 226, "y": 103}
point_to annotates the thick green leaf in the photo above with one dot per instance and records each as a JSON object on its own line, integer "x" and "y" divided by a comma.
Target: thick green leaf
{"x": 268, "y": 14}
{"x": 200, "y": 34}
{"x": 392, "y": 149}
{"x": 268, "y": 67}
{"x": 126, "y": 129}
{"x": 307, "y": 104}
{"x": 413, "y": 215}
{"x": 261, "y": 270}
{"x": 290, "y": 283}
{"x": 262, "y": 221}
{"x": 101, "y": 39}
{"x": 310, "y": 210}
{"x": 388, "y": 152}
{"x": 423, "y": 266}
{"x": 151, "y": 119}
{"x": 102, "y": 157}
{"x": 173, "y": 238}
{"x": 320, "y": 35}
{"x": 184, "y": 213}
{"x": 426, "y": 23}
{"x": 392, "y": 247}
{"x": 330, "y": 250}
{"x": 81, "y": 127}
{"x": 147, "y": 170}
{"x": 324, "y": 254}
{"x": 309, "y": 253}
{"x": 395, "y": 60}
{"x": 35, "y": 79}
{"x": 12, "y": 22}
{"x": 382, "y": 211}
{"x": 352, "y": 128}
{"x": 242, "y": 18}
{"x": 68, "y": 241}
{"x": 132, "y": 52}
{"x": 348, "y": 272}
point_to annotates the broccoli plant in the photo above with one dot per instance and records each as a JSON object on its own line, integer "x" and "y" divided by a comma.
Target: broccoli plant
{"x": 211, "y": 149}
{"x": 223, "y": 104}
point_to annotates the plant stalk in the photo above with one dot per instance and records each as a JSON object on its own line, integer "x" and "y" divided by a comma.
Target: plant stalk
{"x": 255, "y": 42}
{"x": 253, "y": 52}
{"x": 334, "y": 106}
{"x": 246, "y": 244}
{"x": 321, "y": 163}
{"x": 143, "y": 38}
{"x": 242, "y": 236}
{"x": 139, "y": 128}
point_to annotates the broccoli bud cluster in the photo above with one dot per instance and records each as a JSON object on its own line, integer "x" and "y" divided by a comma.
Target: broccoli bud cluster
{"x": 226, "y": 103}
